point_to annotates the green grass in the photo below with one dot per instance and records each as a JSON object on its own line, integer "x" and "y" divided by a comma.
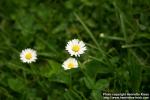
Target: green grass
{"x": 117, "y": 62}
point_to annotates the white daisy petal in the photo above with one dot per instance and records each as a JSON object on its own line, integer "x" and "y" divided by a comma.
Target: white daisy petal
{"x": 75, "y": 47}
{"x": 28, "y": 55}
{"x": 70, "y": 63}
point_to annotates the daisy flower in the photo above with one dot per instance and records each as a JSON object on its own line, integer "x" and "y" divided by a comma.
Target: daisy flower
{"x": 70, "y": 63}
{"x": 75, "y": 47}
{"x": 28, "y": 55}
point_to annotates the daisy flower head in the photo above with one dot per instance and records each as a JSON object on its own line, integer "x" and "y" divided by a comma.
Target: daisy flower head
{"x": 76, "y": 47}
{"x": 70, "y": 63}
{"x": 28, "y": 55}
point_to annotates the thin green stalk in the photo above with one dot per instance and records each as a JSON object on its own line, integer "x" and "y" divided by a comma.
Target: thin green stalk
{"x": 86, "y": 28}
{"x": 88, "y": 31}
{"x": 70, "y": 76}
{"x": 138, "y": 59}
{"x": 123, "y": 26}
{"x": 121, "y": 17}
{"x": 92, "y": 46}
{"x": 134, "y": 45}
{"x": 81, "y": 94}
{"x": 113, "y": 38}
{"x": 97, "y": 59}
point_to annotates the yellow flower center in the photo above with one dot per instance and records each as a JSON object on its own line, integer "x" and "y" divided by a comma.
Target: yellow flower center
{"x": 71, "y": 65}
{"x": 28, "y": 56}
{"x": 76, "y": 48}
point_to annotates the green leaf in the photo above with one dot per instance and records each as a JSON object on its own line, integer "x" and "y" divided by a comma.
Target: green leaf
{"x": 72, "y": 95}
{"x": 89, "y": 82}
{"x": 94, "y": 67}
{"x": 96, "y": 95}
{"x": 16, "y": 84}
{"x": 101, "y": 84}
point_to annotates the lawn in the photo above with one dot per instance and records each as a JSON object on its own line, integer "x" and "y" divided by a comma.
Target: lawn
{"x": 116, "y": 34}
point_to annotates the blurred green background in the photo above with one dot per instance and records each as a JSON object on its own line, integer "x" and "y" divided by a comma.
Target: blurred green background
{"x": 117, "y": 62}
